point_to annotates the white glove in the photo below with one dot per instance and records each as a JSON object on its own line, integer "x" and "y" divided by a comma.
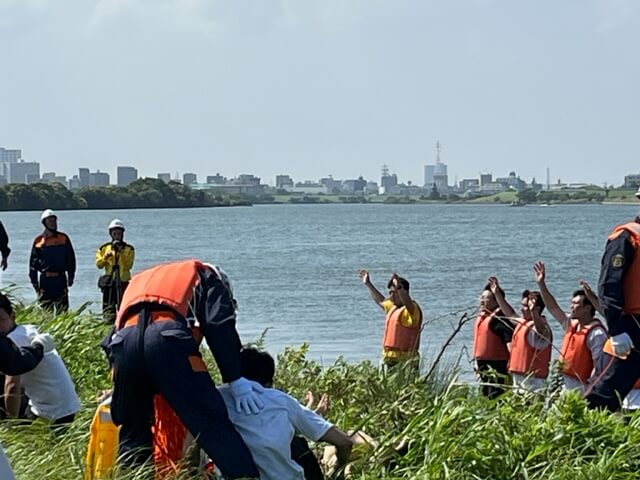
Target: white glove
{"x": 46, "y": 340}
{"x": 245, "y": 396}
{"x": 621, "y": 345}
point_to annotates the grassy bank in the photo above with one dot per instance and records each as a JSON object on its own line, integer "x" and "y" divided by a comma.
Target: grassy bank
{"x": 450, "y": 431}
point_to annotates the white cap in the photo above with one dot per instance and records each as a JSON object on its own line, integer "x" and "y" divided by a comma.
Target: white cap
{"x": 48, "y": 213}
{"x": 116, "y": 223}
{"x": 638, "y": 193}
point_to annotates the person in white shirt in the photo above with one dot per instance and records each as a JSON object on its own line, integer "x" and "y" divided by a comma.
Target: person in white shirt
{"x": 51, "y": 392}
{"x": 269, "y": 433}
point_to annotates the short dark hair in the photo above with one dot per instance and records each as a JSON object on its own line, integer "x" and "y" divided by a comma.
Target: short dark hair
{"x": 537, "y": 296}
{"x": 585, "y": 301}
{"x": 487, "y": 288}
{"x": 257, "y": 365}
{"x": 5, "y": 304}
{"x": 403, "y": 281}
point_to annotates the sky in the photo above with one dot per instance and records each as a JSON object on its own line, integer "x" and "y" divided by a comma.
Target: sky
{"x": 317, "y": 87}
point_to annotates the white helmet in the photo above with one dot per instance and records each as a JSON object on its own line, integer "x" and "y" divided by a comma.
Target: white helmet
{"x": 116, "y": 223}
{"x": 48, "y": 213}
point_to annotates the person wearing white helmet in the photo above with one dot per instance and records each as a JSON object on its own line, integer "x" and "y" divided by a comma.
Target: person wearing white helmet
{"x": 116, "y": 257}
{"x": 52, "y": 264}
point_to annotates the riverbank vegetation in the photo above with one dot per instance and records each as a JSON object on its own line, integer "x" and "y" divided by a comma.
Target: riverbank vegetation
{"x": 433, "y": 428}
{"x": 143, "y": 193}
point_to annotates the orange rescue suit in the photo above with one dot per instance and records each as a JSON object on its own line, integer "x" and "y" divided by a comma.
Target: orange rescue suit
{"x": 575, "y": 353}
{"x": 526, "y": 360}
{"x": 486, "y": 344}
{"x": 631, "y": 289}
{"x": 397, "y": 336}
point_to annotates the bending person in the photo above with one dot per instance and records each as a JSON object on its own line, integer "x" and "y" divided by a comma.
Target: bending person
{"x": 153, "y": 351}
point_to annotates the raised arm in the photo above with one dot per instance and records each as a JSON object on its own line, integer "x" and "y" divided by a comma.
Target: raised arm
{"x": 505, "y": 307}
{"x": 403, "y": 293}
{"x": 373, "y": 291}
{"x": 540, "y": 274}
{"x": 539, "y": 323}
{"x": 592, "y": 297}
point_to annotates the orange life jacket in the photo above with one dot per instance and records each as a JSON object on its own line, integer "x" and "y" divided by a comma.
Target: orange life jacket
{"x": 631, "y": 286}
{"x": 526, "y": 360}
{"x": 169, "y": 436}
{"x": 170, "y": 285}
{"x": 486, "y": 344}
{"x": 575, "y": 353}
{"x": 397, "y": 336}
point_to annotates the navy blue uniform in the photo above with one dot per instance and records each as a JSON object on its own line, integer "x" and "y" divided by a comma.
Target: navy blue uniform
{"x": 618, "y": 375}
{"x": 162, "y": 357}
{"x": 53, "y": 258}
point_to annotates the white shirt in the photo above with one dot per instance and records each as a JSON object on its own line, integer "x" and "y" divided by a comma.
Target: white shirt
{"x": 49, "y": 386}
{"x": 269, "y": 433}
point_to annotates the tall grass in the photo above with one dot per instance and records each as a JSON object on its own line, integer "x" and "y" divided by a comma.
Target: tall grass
{"x": 450, "y": 431}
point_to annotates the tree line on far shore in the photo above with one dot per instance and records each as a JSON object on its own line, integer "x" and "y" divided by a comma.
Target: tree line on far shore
{"x": 143, "y": 193}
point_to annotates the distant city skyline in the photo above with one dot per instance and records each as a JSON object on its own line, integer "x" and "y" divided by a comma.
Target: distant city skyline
{"x": 323, "y": 86}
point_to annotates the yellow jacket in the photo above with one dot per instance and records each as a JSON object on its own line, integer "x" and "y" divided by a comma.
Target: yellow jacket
{"x": 103, "y": 444}
{"x": 106, "y": 257}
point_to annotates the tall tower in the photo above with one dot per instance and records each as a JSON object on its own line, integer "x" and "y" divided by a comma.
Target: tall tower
{"x": 438, "y": 150}
{"x": 548, "y": 179}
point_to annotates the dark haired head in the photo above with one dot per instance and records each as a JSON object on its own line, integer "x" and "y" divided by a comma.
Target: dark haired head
{"x": 536, "y": 296}
{"x": 5, "y": 304}
{"x": 257, "y": 366}
{"x": 403, "y": 281}
{"x": 585, "y": 301}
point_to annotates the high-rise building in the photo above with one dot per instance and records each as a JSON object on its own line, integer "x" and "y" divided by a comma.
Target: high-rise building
{"x": 17, "y": 172}
{"x": 216, "y": 179}
{"x": 98, "y": 179}
{"x": 486, "y": 179}
{"x": 8, "y": 156}
{"x": 126, "y": 175}
{"x": 189, "y": 179}
{"x": 436, "y": 174}
{"x": 165, "y": 177}
{"x": 84, "y": 177}
{"x": 387, "y": 181}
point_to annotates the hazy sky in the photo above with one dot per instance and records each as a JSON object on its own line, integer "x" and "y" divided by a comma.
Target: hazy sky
{"x": 312, "y": 88}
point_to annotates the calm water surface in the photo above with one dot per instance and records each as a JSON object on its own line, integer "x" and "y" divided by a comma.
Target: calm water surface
{"x": 294, "y": 267}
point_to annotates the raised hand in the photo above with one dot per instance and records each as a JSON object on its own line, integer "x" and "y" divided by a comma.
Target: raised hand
{"x": 364, "y": 276}
{"x": 539, "y": 272}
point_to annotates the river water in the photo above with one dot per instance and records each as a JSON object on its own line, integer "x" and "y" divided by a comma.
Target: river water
{"x": 294, "y": 267}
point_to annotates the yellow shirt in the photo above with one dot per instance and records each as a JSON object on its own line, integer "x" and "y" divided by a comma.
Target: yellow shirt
{"x": 406, "y": 320}
{"x": 106, "y": 256}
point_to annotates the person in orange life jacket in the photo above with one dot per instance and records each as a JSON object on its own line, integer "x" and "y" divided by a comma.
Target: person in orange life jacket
{"x": 4, "y": 247}
{"x": 492, "y": 334}
{"x": 153, "y": 351}
{"x": 530, "y": 348}
{"x": 403, "y": 322}
{"x": 619, "y": 295}
{"x": 584, "y": 335}
{"x": 53, "y": 258}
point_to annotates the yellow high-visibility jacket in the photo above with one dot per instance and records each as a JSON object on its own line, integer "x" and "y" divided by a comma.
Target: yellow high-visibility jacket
{"x": 106, "y": 258}
{"x": 103, "y": 444}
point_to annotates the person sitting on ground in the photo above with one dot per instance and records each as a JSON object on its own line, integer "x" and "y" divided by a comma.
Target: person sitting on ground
{"x": 530, "y": 348}
{"x": 48, "y": 386}
{"x": 269, "y": 433}
{"x": 492, "y": 333}
{"x": 584, "y": 335}
{"x": 403, "y": 321}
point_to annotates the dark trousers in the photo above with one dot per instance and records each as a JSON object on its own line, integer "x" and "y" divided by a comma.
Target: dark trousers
{"x": 111, "y": 298}
{"x": 167, "y": 361}
{"x": 54, "y": 294}
{"x": 493, "y": 374}
{"x": 617, "y": 376}
{"x": 303, "y": 456}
